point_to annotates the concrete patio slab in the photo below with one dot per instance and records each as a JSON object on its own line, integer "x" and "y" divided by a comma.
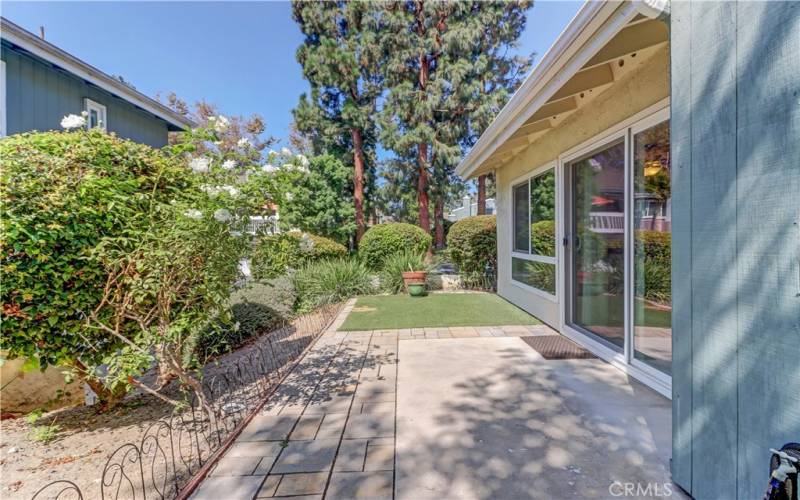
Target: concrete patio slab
{"x": 481, "y": 418}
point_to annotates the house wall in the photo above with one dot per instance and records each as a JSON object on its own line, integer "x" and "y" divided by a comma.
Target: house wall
{"x": 39, "y": 95}
{"x": 634, "y": 92}
{"x": 736, "y": 242}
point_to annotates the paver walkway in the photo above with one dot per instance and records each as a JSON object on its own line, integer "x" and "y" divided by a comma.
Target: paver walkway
{"x": 330, "y": 428}
{"x": 466, "y": 416}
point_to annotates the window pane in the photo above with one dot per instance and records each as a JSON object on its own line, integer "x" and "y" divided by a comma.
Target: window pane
{"x": 93, "y": 119}
{"x": 598, "y": 243}
{"x": 536, "y": 274}
{"x": 521, "y": 228}
{"x": 543, "y": 214}
{"x": 652, "y": 248}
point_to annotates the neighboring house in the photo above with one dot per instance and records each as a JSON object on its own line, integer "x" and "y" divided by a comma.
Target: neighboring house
{"x": 469, "y": 208}
{"x": 640, "y": 129}
{"x": 41, "y": 84}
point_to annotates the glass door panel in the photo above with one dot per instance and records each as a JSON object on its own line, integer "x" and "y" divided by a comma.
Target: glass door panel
{"x": 597, "y": 188}
{"x": 652, "y": 307}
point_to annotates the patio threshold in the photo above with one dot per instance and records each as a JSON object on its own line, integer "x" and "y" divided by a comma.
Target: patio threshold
{"x": 467, "y": 412}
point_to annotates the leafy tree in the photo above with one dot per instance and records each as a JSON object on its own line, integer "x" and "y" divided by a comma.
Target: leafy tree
{"x": 341, "y": 60}
{"x": 448, "y": 73}
{"x": 242, "y": 139}
{"x": 320, "y": 202}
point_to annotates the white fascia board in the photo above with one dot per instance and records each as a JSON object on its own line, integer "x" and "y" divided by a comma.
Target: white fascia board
{"x": 591, "y": 28}
{"x": 52, "y": 54}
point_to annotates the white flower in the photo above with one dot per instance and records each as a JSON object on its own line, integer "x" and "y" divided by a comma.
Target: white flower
{"x": 222, "y": 215}
{"x": 289, "y": 196}
{"x": 272, "y": 153}
{"x": 236, "y": 326}
{"x": 199, "y": 165}
{"x": 244, "y": 142}
{"x": 228, "y": 165}
{"x": 209, "y": 190}
{"x": 193, "y": 214}
{"x": 220, "y": 123}
{"x": 269, "y": 168}
{"x": 286, "y": 152}
{"x": 303, "y": 160}
{"x": 73, "y": 121}
{"x": 84, "y": 113}
{"x": 230, "y": 190}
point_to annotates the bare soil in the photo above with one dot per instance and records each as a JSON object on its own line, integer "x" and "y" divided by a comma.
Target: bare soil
{"x": 86, "y": 438}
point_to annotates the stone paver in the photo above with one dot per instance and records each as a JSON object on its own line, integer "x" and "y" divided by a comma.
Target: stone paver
{"x": 372, "y": 485}
{"x": 306, "y": 456}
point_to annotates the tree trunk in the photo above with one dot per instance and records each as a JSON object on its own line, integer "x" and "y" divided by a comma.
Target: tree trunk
{"x": 482, "y": 195}
{"x": 108, "y": 398}
{"x": 358, "y": 182}
{"x": 422, "y": 187}
{"x": 438, "y": 220}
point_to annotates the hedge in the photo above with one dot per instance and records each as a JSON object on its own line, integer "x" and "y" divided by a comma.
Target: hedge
{"x": 656, "y": 246}
{"x": 62, "y": 193}
{"x": 383, "y": 240}
{"x": 472, "y": 244}
{"x": 277, "y": 253}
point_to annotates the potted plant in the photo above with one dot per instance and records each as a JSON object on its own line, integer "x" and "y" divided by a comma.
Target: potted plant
{"x": 415, "y": 281}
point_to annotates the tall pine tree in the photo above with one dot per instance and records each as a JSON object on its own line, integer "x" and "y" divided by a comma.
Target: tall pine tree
{"x": 449, "y": 72}
{"x": 341, "y": 59}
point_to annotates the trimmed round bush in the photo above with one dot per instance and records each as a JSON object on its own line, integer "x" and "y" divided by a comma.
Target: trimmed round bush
{"x": 277, "y": 253}
{"x": 383, "y": 240}
{"x": 543, "y": 237}
{"x": 62, "y": 194}
{"x": 472, "y": 244}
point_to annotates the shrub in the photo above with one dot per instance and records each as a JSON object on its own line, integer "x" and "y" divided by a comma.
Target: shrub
{"x": 255, "y": 309}
{"x": 655, "y": 269}
{"x": 383, "y": 240}
{"x": 391, "y": 275}
{"x": 543, "y": 237}
{"x": 275, "y": 254}
{"x": 472, "y": 244}
{"x": 61, "y": 195}
{"x": 331, "y": 281}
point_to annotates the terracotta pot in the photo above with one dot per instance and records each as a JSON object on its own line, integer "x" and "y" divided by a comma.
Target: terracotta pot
{"x": 414, "y": 277}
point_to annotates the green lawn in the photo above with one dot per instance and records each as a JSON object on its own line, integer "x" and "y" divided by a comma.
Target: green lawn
{"x": 387, "y": 312}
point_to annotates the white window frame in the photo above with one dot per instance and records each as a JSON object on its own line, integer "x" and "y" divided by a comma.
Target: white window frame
{"x": 89, "y": 106}
{"x": 4, "y": 102}
{"x": 546, "y": 259}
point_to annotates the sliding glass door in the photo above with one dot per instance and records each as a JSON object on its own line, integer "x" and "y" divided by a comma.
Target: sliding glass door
{"x": 652, "y": 225}
{"x": 618, "y": 247}
{"x": 597, "y": 184}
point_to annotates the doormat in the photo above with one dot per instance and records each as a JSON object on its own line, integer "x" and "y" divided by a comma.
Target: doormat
{"x": 557, "y": 347}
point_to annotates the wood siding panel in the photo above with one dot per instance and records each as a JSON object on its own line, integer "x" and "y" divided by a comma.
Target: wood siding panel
{"x": 736, "y": 246}
{"x": 768, "y": 234}
{"x": 680, "y": 139}
{"x": 39, "y": 95}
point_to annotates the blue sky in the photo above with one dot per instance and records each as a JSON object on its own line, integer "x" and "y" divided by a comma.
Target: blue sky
{"x": 238, "y": 55}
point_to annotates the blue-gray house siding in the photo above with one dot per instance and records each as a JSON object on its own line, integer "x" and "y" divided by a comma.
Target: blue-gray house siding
{"x": 735, "y": 102}
{"x": 39, "y": 94}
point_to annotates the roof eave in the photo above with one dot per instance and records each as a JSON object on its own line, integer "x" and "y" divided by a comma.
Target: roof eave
{"x": 557, "y": 65}
{"x": 49, "y": 52}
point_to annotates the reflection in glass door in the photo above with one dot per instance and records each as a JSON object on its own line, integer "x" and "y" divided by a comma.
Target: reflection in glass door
{"x": 596, "y": 302}
{"x": 652, "y": 307}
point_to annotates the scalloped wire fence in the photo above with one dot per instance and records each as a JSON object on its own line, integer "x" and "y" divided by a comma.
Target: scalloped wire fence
{"x": 173, "y": 451}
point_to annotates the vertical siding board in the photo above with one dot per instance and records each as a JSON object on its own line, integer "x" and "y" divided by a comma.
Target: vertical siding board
{"x": 40, "y": 95}
{"x": 768, "y": 234}
{"x": 680, "y": 139}
{"x": 713, "y": 216}
{"x": 14, "y": 93}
